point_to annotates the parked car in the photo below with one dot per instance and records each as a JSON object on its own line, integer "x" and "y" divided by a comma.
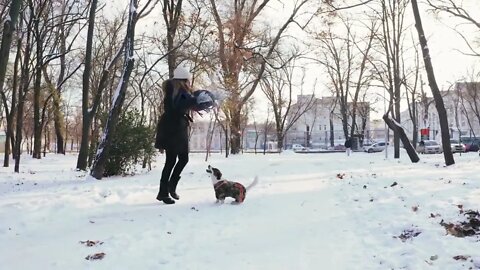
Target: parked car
{"x": 429, "y": 147}
{"x": 457, "y": 147}
{"x": 339, "y": 147}
{"x": 376, "y": 147}
{"x": 471, "y": 143}
{"x": 297, "y": 147}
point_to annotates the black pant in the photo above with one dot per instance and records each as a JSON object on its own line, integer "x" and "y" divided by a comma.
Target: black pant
{"x": 170, "y": 179}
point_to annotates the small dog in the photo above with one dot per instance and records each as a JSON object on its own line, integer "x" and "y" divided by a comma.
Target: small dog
{"x": 224, "y": 188}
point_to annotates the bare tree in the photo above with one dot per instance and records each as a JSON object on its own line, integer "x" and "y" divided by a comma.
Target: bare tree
{"x": 25, "y": 78}
{"x": 413, "y": 95}
{"x": 9, "y": 27}
{"x": 119, "y": 96}
{"x": 456, "y": 9}
{"x": 470, "y": 93}
{"x": 210, "y": 135}
{"x": 243, "y": 55}
{"x": 172, "y": 13}
{"x": 86, "y": 110}
{"x": 442, "y": 113}
{"x": 89, "y": 111}
{"x": 267, "y": 127}
{"x": 7, "y": 37}
{"x": 278, "y": 86}
{"x": 66, "y": 21}
{"x": 348, "y": 75}
{"x": 392, "y": 15}
{"x": 463, "y": 107}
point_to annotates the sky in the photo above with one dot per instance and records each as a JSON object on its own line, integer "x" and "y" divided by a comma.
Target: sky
{"x": 444, "y": 43}
{"x": 308, "y": 212}
{"x": 446, "y": 47}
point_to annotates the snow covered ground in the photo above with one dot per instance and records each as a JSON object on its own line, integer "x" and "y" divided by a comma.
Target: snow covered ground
{"x": 309, "y": 211}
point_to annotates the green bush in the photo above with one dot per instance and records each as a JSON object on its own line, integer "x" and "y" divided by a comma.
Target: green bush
{"x": 132, "y": 143}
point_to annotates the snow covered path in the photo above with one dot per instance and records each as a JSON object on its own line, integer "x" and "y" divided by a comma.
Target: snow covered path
{"x": 300, "y": 216}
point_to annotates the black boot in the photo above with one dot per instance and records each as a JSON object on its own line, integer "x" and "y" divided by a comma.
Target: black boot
{"x": 165, "y": 199}
{"x": 172, "y": 187}
{"x": 163, "y": 193}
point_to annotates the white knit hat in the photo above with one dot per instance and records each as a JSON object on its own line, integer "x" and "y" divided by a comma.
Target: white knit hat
{"x": 182, "y": 73}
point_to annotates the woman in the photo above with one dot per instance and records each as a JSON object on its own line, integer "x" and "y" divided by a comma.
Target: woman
{"x": 348, "y": 146}
{"x": 172, "y": 131}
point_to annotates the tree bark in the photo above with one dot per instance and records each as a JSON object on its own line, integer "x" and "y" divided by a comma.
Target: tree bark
{"x": 37, "y": 125}
{"x": 442, "y": 113}
{"x": 10, "y": 139}
{"x": 58, "y": 116}
{"x": 22, "y": 91}
{"x": 102, "y": 152}
{"x": 7, "y": 37}
{"x": 235, "y": 132}
{"x": 332, "y": 131}
{"x": 86, "y": 119}
{"x": 171, "y": 14}
{"x": 393, "y": 125}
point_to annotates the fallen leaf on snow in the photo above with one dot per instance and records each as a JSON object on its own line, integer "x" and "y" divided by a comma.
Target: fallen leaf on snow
{"x": 90, "y": 243}
{"x": 96, "y": 256}
{"x": 461, "y": 257}
{"x": 408, "y": 234}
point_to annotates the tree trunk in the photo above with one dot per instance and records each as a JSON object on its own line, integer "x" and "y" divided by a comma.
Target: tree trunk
{"x": 37, "y": 125}
{"x": 98, "y": 167}
{"x": 442, "y": 113}
{"x": 235, "y": 132}
{"x": 332, "y": 132}
{"x": 58, "y": 116}
{"x": 102, "y": 152}
{"x": 21, "y": 99}
{"x": 95, "y": 134}
{"x": 58, "y": 124}
{"x": 395, "y": 126}
{"x": 226, "y": 142}
{"x": 10, "y": 139}
{"x": 7, "y": 37}
{"x": 415, "y": 125}
{"x": 396, "y": 136}
{"x": 280, "y": 136}
{"x": 86, "y": 119}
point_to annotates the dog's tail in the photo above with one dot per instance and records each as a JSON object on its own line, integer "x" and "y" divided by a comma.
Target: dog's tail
{"x": 254, "y": 183}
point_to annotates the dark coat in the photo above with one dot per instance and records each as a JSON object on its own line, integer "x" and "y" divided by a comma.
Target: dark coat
{"x": 226, "y": 188}
{"x": 348, "y": 143}
{"x": 172, "y": 128}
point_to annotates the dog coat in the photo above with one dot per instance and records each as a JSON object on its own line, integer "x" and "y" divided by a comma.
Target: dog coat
{"x": 226, "y": 188}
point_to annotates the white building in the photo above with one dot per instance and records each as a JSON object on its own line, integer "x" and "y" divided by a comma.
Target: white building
{"x": 314, "y": 127}
{"x": 252, "y": 137}
{"x": 199, "y": 136}
{"x": 461, "y": 106}
{"x": 316, "y": 121}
